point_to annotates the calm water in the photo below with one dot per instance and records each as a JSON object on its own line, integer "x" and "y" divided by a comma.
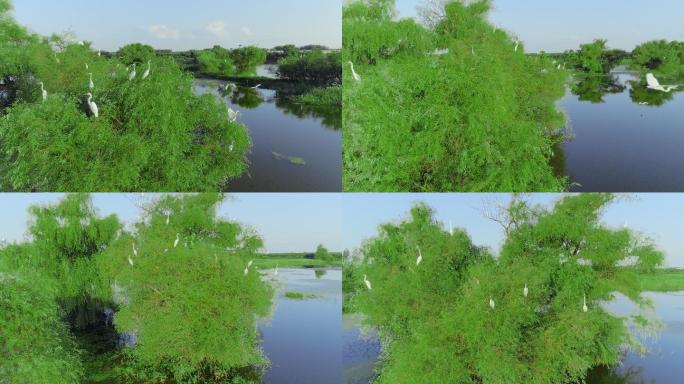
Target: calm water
{"x": 620, "y": 145}
{"x": 302, "y": 338}
{"x": 279, "y": 126}
{"x": 663, "y": 364}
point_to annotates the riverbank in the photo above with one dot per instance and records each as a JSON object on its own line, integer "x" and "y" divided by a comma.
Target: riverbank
{"x": 663, "y": 280}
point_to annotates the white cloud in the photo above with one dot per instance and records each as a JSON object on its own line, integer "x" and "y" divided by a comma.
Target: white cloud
{"x": 163, "y": 32}
{"x": 217, "y": 28}
{"x": 247, "y": 31}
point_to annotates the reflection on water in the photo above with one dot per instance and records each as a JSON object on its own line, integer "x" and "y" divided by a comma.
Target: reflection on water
{"x": 626, "y": 137}
{"x": 276, "y": 125}
{"x": 302, "y": 337}
{"x": 661, "y": 365}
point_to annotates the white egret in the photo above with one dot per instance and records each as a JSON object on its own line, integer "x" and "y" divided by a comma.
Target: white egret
{"x": 147, "y": 71}
{"x": 472, "y": 50}
{"x": 99, "y": 52}
{"x": 276, "y": 271}
{"x": 43, "y": 91}
{"x": 168, "y": 216}
{"x": 451, "y": 228}
{"x": 420, "y": 257}
{"x": 92, "y": 106}
{"x": 440, "y": 52}
{"x": 491, "y": 302}
{"x": 91, "y": 85}
{"x": 654, "y": 84}
{"x": 354, "y": 74}
{"x": 368, "y": 283}
{"x": 256, "y": 86}
{"x": 517, "y": 43}
{"x": 559, "y": 67}
{"x": 231, "y": 147}
{"x": 584, "y": 307}
{"x": 175, "y": 243}
{"x": 57, "y": 58}
{"x": 81, "y": 43}
{"x": 233, "y": 114}
{"x": 525, "y": 290}
{"x": 135, "y": 251}
{"x": 131, "y": 75}
{"x": 249, "y": 265}
{"x": 86, "y": 66}
{"x": 246, "y": 271}
{"x": 130, "y": 261}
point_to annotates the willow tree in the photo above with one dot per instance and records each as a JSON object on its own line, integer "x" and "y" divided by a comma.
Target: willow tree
{"x": 191, "y": 304}
{"x": 473, "y": 322}
{"x": 458, "y": 107}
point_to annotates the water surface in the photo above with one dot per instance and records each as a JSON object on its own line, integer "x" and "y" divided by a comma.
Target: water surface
{"x": 302, "y": 337}
{"x": 626, "y": 138}
{"x": 279, "y": 127}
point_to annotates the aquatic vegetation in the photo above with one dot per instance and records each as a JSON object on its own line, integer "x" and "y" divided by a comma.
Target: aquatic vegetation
{"x": 151, "y": 134}
{"x": 292, "y": 159}
{"x": 593, "y": 88}
{"x": 322, "y": 96}
{"x": 81, "y": 273}
{"x": 463, "y": 316}
{"x": 456, "y": 108}
{"x": 299, "y": 295}
{"x": 314, "y": 66}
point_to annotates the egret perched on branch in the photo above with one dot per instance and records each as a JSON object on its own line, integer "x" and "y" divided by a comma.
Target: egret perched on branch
{"x": 654, "y": 84}
{"x": 491, "y": 302}
{"x": 175, "y": 243}
{"x": 43, "y": 91}
{"x": 91, "y": 85}
{"x": 354, "y": 74}
{"x": 147, "y": 71}
{"x": 584, "y": 307}
{"x": 368, "y": 283}
{"x": 420, "y": 257}
{"x": 92, "y": 106}
{"x": 525, "y": 290}
{"x": 131, "y": 75}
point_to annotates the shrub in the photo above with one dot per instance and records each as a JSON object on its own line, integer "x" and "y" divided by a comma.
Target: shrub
{"x": 216, "y": 61}
{"x": 135, "y": 53}
{"x": 660, "y": 57}
{"x": 246, "y": 59}
{"x": 482, "y": 117}
{"x": 437, "y": 318}
{"x": 314, "y": 66}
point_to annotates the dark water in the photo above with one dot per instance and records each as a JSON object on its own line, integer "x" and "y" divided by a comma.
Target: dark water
{"x": 280, "y": 126}
{"x": 620, "y": 145}
{"x": 302, "y": 338}
{"x": 663, "y": 363}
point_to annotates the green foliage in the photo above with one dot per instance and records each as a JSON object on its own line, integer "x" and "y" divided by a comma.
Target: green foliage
{"x": 593, "y": 88}
{"x": 322, "y": 253}
{"x": 135, "y": 53}
{"x": 659, "y": 57}
{"x": 437, "y": 319}
{"x": 246, "y": 59}
{"x": 299, "y": 295}
{"x": 480, "y": 117}
{"x": 663, "y": 280}
{"x": 314, "y": 66}
{"x": 322, "y": 96}
{"x": 216, "y": 61}
{"x": 151, "y": 135}
{"x": 191, "y": 307}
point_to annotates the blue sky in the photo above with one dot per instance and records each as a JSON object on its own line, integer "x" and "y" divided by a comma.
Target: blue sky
{"x": 182, "y": 24}
{"x": 559, "y": 25}
{"x": 658, "y": 216}
{"x": 289, "y": 222}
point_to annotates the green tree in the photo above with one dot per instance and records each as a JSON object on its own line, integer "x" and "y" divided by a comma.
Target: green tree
{"x": 314, "y": 66}
{"x": 136, "y": 53}
{"x": 216, "y": 61}
{"x": 423, "y": 121}
{"x": 246, "y": 59}
{"x": 660, "y": 57}
{"x": 462, "y": 316}
{"x": 590, "y": 57}
{"x": 322, "y": 253}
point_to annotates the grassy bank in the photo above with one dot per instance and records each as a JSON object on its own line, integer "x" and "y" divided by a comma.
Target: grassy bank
{"x": 331, "y": 96}
{"x": 663, "y": 280}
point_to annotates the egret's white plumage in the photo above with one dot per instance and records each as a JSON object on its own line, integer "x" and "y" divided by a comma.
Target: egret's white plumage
{"x": 368, "y": 283}
{"x": 175, "y": 243}
{"x": 491, "y": 303}
{"x": 130, "y": 261}
{"x": 99, "y": 52}
{"x": 525, "y": 290}
{"x": 420, "y": 257}
{"x": 440, "y": 52}
{"x": 653, "y": 83}
{"x": 231, "y": 147}
{"x": 256, "y": 86}
{"x": 86, "y": 66}
{"x": 168, "y": 216}
{"x": 131, "y": 75}
{"x": 147, "y": 71}
{"x": 246, "y": 271}
{"x": 92, "y": 106}
{"x": 91, "y": 85}
{"x": 43, "y": 91}
{"x": 517, "y": 43}
{"x": 276, "y": 271}
{"x": 233, "y": 114}
{"x": 584, "y": 307}
{"x": 354, "y": 74}
{"x": 249, "y": 264}
{"x": 135, "y": 250}
{"x": 451, "y": 228}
